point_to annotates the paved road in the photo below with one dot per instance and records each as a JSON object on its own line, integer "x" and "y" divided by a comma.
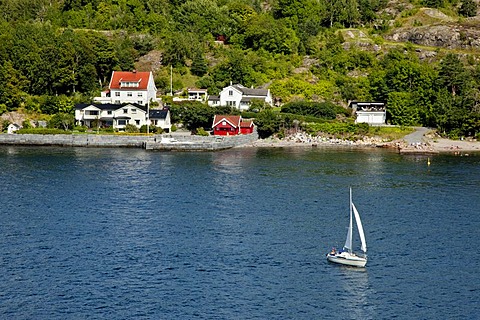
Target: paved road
{"x": 416, "y": 136}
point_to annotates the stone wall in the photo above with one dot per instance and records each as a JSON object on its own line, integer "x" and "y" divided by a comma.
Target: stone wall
{"x": 199, "y": 143}
{"x": 73, "y": 140}
{"x": 153, "y": 142}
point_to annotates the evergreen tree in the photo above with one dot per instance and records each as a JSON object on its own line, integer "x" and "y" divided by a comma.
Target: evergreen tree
{"x": 468, "y": 8}
{"x": 199, "y": 65}
{"x": 452, "y": 74}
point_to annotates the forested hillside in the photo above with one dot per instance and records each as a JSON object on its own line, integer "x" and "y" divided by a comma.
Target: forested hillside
{"x": 421, "y": 57}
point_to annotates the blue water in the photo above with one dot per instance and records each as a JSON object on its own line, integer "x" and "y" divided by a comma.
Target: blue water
{"x": 239, "y": 234}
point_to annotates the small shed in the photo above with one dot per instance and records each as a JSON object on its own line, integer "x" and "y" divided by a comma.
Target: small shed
{"x": 246, "y": 126}
{"x": 373, "y": 113}
{"x": 12, "y": 128}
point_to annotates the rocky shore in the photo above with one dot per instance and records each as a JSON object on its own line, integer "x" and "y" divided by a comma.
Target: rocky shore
{"x": 430, "y": 144}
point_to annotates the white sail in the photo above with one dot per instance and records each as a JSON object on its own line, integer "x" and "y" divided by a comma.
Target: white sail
{"x": 348, "y": 242}
{"x": 360, "y": 228}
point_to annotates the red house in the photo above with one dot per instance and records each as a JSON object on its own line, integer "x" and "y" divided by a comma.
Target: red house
{"x": 231, "y": 125}
{"x": 246, "y": 126}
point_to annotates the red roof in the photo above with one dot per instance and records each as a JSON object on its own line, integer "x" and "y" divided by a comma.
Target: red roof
{"x": 234, "y": 121}
{"x": 246, "y": 123}
{"x": 126, "y": 76}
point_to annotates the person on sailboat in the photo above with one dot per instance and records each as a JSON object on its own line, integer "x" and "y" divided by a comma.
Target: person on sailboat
{"x": 334, "y": 251}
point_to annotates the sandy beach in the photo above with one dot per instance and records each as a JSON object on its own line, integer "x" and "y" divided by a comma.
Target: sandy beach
{"x": 447, "y": 145}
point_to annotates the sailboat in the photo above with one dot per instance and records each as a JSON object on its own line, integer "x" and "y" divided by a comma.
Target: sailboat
{"x": 347, "y": 256}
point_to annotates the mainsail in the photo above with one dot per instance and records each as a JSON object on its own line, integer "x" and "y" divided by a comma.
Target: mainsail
{"x": 348, "y": 242}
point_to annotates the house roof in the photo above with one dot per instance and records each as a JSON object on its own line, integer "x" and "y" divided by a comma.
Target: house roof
{"x": 196, "y": 90}
{"x": 246, "y": 123}
{"x": 367, "y": 106}
{"x": 158, "y": 113}
{"x": 250, "y": 91}
{"x": 129, "y": 76}
{"x": 234, "y": 121}
{"x": 109, "y": 106}
{"x": 213, "y": 98}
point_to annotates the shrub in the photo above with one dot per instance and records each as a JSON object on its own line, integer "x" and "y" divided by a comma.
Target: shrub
{"x": 325, "y": 110}
{"x": 26, "y": 124}
{"x": 80, "y": 128}
{"x": 131, "y": 128}
{"x": 108, "y": 129}
{"x": 42, "y": 131}
{"x": 201, "y": 132}
{"x": 5, "y": 124}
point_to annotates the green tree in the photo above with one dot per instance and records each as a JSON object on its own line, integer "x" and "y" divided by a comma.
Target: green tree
{"x": 12, "y": 86}
{"x": 263, "y": 32}
{"x": 402, "y": 109}
{"x": 267, "y": 122}
{"x": 178, "y": 48}
{"x": 63, "y": 121}
{"x": 193, "y": 115}
{"x": 199, "y": 65}
{"x": 452, "y": 74}
{"x": 468, "y": 8}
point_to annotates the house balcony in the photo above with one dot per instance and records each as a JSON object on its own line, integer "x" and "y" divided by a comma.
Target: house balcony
{"x": 90, "y": 117}
{"x": 102, "y": 100}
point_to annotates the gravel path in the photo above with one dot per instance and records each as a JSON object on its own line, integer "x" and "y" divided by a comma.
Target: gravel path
{"x": 417, "y": 136}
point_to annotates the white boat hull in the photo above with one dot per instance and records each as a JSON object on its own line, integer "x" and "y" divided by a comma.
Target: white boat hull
{"x": 347, "y": 259}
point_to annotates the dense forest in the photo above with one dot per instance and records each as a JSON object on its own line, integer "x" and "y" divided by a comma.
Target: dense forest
{"x": 55, "y": 53}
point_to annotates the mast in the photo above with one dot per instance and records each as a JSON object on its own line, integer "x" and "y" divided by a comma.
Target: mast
{"x": 171, "y": 80}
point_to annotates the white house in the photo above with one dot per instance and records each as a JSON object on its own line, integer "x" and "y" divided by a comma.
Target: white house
{"x": 373, "y": 113}
{"x": 197, "y": 94}
{"x": 240, "y": 97}
{"x": 129, "y": 87}
{"x": 160, "y": 118}
{"x": 110, "y": 115}
{"x": 13, "y": 127}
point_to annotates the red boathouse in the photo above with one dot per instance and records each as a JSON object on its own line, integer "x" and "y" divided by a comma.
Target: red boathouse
{"x": 224, "y": 125}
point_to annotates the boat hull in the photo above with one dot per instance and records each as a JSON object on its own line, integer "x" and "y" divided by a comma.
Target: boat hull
{"x": 347, "y": 259}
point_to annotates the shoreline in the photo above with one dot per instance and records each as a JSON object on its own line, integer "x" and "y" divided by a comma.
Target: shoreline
{"x": 428, "y": 146}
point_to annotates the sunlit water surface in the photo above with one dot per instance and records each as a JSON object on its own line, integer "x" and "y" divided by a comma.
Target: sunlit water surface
{"x": 239, "y": 234}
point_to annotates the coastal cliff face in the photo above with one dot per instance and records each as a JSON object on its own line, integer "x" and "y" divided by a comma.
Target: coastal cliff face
{"x": 429, "y": 30}
{"x": 450, "y": 36}
{"x": 433, "y": 28}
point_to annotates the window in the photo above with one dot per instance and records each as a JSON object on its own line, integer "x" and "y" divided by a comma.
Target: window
{"x": 140, "y": 102}
{"x": 137, "y": 122}
{"x": 230, "y": 92}
{"x": 224, "y": 123}
{"x": 231, "y": 103}
{"x": 125, "y": 110}
{"x": 94, "y": 113}
{"x": 129, "y": 94}
{"x": 117, "y": 94}
{"x": 134, "y": 110}
{"x": 117, "y": 101}
{"x": 109, "y": 112}
{"x": 140, "y": 94}
{"x": 122, "y": 122}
